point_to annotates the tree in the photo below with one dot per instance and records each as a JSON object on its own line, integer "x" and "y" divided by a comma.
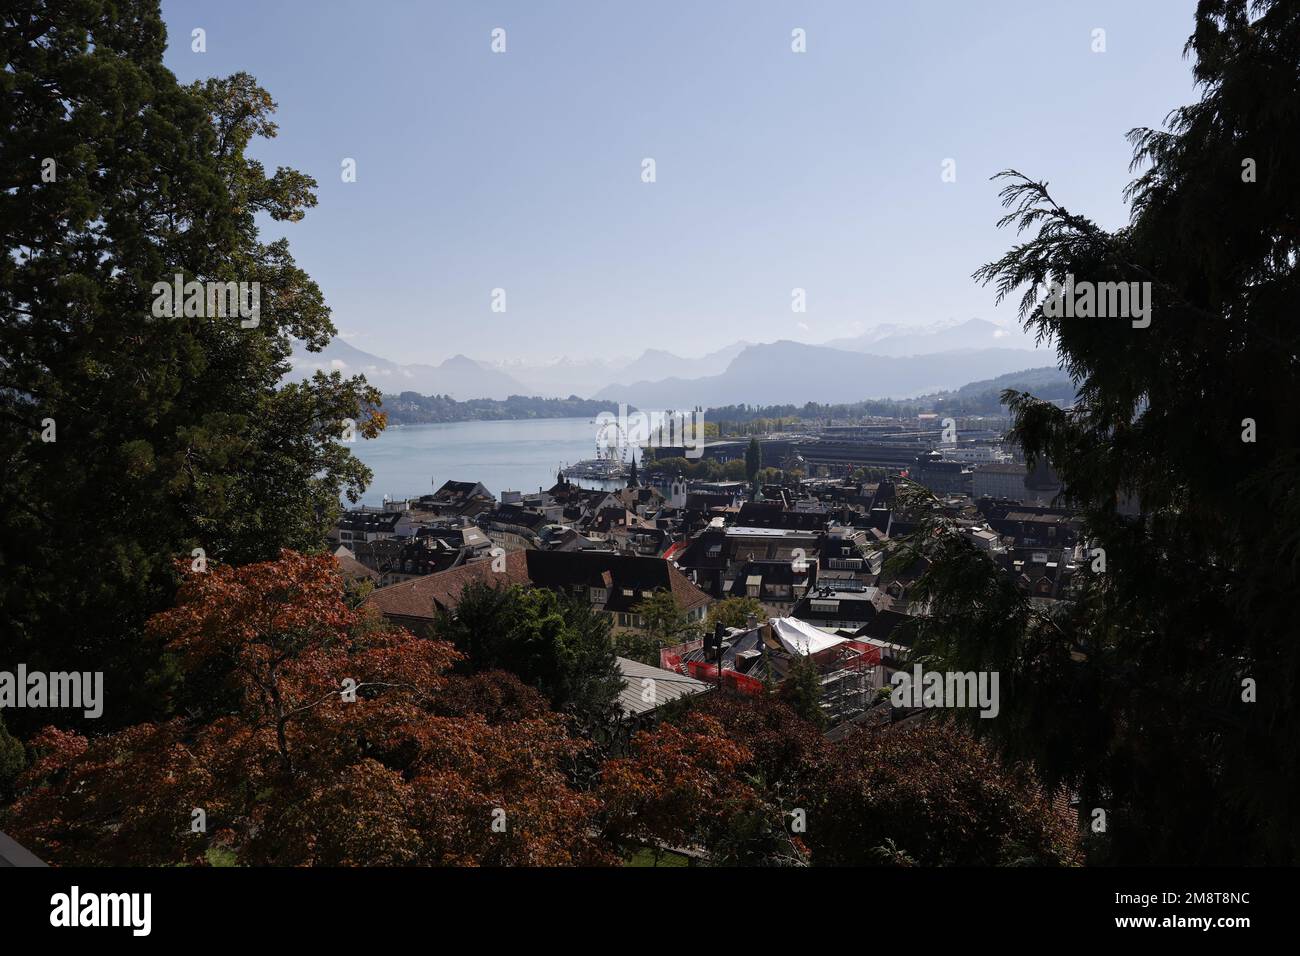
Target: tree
{"x": 678, "y": 788}
{"x": 802, "y": 690}
{"x": 171, "y": 431}
{"x": 753, "y": 459}
{"x": 930, "y": 793}
{"x": 12, "y": 760}
{"x": 558, "y": 645}
{"x": 925, "y": 792}
{"x": 734, "y": 612}
{"x": 1165, "y": 693}
{"x": 335, "y": 748}
{"x": 731, "y": 471}
{"x": 665, "y": 624}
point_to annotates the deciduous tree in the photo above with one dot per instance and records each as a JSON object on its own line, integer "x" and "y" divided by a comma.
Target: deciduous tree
{"x": 336, "y": 748}
{"x": 130, "y": 438}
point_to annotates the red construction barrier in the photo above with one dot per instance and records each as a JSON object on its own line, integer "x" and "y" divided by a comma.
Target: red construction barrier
{"x": 868, "y": 654}
{"x": 702, "y": 671}
{"x": 742, "y": 682}
{"x": 670, "y": 658}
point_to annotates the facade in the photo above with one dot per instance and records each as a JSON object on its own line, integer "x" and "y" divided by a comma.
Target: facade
{"x": 356, "y": 527}
{"x": 1001, "y": 480}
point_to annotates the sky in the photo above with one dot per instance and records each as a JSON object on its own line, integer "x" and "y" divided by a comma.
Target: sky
{"x": 773, "y": 170}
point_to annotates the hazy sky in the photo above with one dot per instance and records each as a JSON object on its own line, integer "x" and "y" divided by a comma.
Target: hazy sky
{"x": 775, "y": 170}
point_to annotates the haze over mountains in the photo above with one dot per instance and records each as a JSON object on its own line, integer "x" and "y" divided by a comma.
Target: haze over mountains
{"x": 458, "y": 376}
{"x": 885, "y": 361}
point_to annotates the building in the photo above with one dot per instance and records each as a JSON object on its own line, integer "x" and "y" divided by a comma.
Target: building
{"x": 749, "y": 659}
{"x": 975, "y": 452}
{"x": 942, "y": 476}
{"x": 724, "y": 562}
{"x": 13, "y": 855}
{"x": 613, "y": 583}
{"x": 647, "y": 688}
{"x": 465, "y": 498}
{"x": 832, "y": 609}
{"x": 999, "y": 480}
{"x": 355, "y": 527}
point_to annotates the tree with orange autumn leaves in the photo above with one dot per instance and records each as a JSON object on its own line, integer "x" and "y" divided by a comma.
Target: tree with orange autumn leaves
{"x": 312, "y": 733}
{"x": 752, "y": 783}
{"x": 332, "y": 749}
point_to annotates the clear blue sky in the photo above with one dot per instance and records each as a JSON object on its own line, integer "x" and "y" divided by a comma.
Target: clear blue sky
{"x": 775, "y": 169}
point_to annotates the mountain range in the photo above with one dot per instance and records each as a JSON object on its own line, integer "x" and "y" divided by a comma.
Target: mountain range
{"x": 791, "y": 372}
{"x": 886, "y": 361}
{"x": 459, "y": 376}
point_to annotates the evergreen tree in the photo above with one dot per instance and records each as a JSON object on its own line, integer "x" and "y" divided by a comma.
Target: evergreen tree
{"x": 1165, "y": 693}
{"x": 753, "y": 459}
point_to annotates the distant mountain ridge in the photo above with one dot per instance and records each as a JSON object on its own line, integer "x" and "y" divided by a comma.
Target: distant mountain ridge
{"x": 945, "y": 336}
{"x": 883, "y": 361}
{"x": 788, "y": 371}
{"x": 974, "y": 398}
{"x": 459, "y": 376}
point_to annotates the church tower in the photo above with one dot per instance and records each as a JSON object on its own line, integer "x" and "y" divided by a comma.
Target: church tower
{"x": 678, "y": 489}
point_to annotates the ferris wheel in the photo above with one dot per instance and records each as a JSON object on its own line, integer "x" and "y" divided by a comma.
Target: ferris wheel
{"x": 617, "y": 447}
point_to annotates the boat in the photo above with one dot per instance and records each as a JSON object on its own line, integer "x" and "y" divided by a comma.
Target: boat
{"x": 608, "y": 465}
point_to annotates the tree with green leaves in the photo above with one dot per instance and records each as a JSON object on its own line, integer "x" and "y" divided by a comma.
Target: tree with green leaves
{"x": 557, "y": 645}
{"x": 663, "y": 623}
{"x": 131, "y": 437}
{"x": 802, "y": 690}
{"x": 734, "y": 612}
{"x": 1164, "y": 693}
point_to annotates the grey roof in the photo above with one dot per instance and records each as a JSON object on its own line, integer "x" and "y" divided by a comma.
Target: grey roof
{"x": 668, "y": 685}
{"x": 11, "y": 854}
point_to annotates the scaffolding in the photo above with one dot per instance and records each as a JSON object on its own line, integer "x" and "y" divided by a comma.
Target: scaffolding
{"x": 848, "y": 680}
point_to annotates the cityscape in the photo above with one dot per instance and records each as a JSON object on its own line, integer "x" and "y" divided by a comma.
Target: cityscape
{"x": 780, "y": 439}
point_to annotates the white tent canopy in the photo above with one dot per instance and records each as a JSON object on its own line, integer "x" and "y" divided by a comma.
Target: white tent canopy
{"x": 800, "y": 637}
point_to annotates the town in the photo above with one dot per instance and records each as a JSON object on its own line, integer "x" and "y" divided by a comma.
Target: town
{"x": 795, "y": 563}
{"x": 450, "y": 444}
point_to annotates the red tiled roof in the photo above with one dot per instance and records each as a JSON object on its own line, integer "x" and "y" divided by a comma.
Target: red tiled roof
{"x": 423, "y": 597}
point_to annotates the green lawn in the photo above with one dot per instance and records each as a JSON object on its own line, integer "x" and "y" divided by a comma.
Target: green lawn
{"x": 646, "y": 857}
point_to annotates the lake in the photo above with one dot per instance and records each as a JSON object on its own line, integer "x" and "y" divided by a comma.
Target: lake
{"x": 412, "y": 460}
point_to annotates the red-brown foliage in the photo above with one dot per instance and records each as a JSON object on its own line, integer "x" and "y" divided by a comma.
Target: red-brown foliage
{"x": 299, "y": 774}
